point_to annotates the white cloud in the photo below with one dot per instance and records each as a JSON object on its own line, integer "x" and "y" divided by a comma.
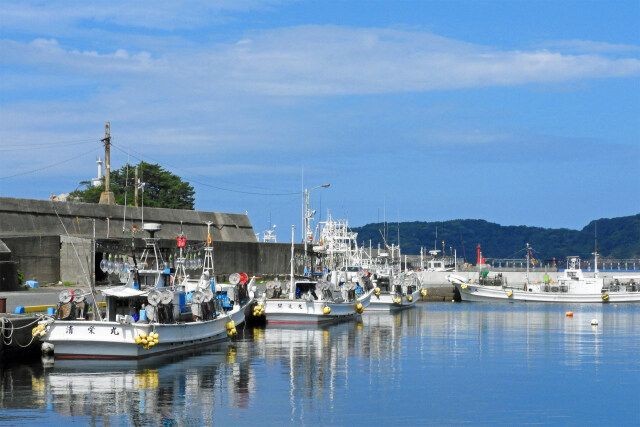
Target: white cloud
{"x": 150, "y": 14}
{"x": 48, "y": 54}
{"x": 323, "y": 60}
{"x": 588, "y": 46}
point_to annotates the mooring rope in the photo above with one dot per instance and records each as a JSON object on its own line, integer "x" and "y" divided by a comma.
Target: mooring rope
{"x": 7, "y": 338}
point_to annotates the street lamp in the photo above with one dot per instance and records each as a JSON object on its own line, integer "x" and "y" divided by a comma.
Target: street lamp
{"x": 307, "y": 217}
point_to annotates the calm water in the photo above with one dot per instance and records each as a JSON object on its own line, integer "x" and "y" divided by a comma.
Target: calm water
{"x": 440, "y": 364}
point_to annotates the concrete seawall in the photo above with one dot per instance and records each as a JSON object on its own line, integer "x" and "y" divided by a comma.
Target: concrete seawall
{"x": 28, "y": 217}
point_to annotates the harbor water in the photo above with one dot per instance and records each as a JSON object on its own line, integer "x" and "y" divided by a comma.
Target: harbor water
{"x": 434, "y": 364}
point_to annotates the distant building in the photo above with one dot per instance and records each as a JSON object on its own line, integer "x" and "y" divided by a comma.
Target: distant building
{"x": 96, "y": 182}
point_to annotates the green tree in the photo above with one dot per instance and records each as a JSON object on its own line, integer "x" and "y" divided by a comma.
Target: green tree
{"x": 160, "y": 188}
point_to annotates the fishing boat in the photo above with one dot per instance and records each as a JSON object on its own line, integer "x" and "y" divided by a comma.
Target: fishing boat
{"x": 436, "y": 263}
{"x": 395, "y": 289}
{"x": 333, "y": 297}
{"x": 401, "y": 292}
{"x": 149, "y": 314}
{"x": 572, "y": 287}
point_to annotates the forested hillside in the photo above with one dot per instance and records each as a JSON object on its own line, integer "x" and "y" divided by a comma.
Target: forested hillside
{"x": 615, "y": 238}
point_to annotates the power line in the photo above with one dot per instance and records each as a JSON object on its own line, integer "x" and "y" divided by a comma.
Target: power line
{"x": 203, "y": 176}
{"x": 48, "y": 166}
{"x": 43, "y": 145}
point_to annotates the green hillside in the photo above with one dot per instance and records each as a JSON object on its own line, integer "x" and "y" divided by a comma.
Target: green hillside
{"x": 616, "y": 238}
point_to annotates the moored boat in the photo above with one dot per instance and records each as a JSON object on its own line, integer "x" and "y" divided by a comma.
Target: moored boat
{"x": 146, "y": 316}
{"x": 401, "y": 293}
{"x": 332, "y": 298}
{"x": 572, "y": 287}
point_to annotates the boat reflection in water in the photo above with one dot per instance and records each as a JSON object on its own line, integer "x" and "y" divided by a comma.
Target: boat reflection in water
{"x": 180, "y": 387}
{"x": 373, "y": 372}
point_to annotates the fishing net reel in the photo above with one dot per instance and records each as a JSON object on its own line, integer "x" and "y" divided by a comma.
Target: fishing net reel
{"x": 349, "y": 289}
{"x": 202, "y": 305}
{"x": 71, "y": 305}
{"x": 273, "y": 289}
{"x": 160, "y": 308}
{"x": 324, "y": 288}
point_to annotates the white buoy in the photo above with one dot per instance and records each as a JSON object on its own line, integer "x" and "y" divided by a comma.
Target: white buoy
{"x": 594, "y": 322}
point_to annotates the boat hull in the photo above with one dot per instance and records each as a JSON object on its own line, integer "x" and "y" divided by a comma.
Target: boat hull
{"x": 299, "y": 311}
{"x": 83, "y": 339}
{"x": 385, "y": 302}
{"x": 495, "y": 293}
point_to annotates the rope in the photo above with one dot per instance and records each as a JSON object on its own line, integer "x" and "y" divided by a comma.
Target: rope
{"x": 84, "y": 272}
{"x": 7, "y": 339}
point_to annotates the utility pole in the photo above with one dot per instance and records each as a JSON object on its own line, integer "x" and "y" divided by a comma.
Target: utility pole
{"x": 107, "y": 197}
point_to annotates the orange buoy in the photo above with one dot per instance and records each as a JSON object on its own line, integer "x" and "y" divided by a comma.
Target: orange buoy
{"x": 569, "y": 314}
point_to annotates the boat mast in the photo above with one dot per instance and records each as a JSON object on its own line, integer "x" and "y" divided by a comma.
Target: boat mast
{"x": 180, "y": 273}
{"x": 527, "y": 276}
{"x": 292, "y": 289}
{"x": 595, "y": 250}
{"x": 208, "y": 253}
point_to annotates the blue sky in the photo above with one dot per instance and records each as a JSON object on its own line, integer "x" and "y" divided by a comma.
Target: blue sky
{"x": 516, "y": 112}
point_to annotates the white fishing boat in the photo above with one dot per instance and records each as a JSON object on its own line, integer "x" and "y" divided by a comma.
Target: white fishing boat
{"x": 395, "y": 289}
{"x": 436, "y": 263}
{"x": 572, "y": 287}
{"x": 333, "y": 298}
{"x": 146, "y": 316}
{"x": 319, "y": 302}
{"x": 401, "y": 293}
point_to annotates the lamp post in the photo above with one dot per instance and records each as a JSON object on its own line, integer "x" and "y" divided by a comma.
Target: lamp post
{"x": 307, "y": 217}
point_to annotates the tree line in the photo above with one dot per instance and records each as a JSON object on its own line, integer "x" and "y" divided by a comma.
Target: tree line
{"x": 612, "y": 237}
{"x": 157, "y": 188}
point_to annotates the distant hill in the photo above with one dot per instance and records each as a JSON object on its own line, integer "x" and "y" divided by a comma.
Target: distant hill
{"x": 616, "y": 238}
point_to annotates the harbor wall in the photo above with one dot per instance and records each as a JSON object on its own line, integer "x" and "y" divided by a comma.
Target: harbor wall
{"x": 50, "y": 259}
{"x": 8, "y": 269}
{"x": 37, "y": 257}
{"x": 29, "y": 217}
{"x": 51, "y": 241}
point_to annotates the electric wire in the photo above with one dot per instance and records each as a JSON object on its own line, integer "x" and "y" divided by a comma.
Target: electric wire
{"x": 200, "y": 182}
{"x": 44, "y": 145}
{"x": 30, "y": 171}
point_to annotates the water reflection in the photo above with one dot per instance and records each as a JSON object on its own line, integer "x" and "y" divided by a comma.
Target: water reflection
{"x": 426, "y": 357}
{"x": 312, "y": 361}
{"x": 528, "y": 332}
{"x": 178, "y": 387}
